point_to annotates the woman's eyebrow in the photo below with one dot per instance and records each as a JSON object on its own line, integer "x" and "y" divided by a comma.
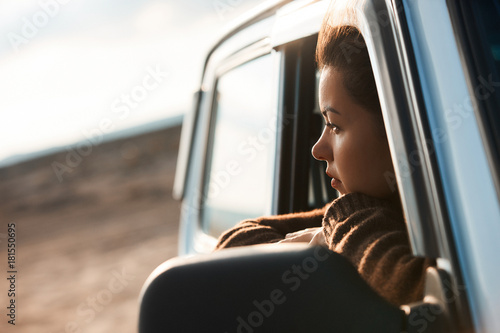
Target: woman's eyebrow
{"x": 329, "y": 109}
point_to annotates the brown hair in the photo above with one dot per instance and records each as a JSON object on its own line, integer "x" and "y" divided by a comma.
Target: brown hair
{"x": 344, "y": 48}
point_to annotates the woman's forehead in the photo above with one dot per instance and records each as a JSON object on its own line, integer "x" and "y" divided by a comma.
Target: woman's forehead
{"x": 333, "y": 97}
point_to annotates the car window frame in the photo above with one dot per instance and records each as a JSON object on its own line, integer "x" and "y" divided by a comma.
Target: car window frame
{"x": 252, "y": 52}
{"x": 405, "y": 110}
{"x": 464, "y": 169}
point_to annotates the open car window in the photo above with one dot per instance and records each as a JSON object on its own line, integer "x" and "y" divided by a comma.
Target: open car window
{"x": 259, "y": 148}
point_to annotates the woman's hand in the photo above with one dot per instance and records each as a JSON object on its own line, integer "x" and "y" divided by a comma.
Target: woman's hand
{"x": 313, "y": 236}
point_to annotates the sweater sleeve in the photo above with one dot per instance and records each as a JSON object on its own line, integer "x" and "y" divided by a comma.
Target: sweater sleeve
{"x": 372, "y": 234}
{"x": 269, "y": 229}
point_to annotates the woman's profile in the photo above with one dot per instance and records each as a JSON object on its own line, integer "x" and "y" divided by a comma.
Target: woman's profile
{"x": 365, "y": 224}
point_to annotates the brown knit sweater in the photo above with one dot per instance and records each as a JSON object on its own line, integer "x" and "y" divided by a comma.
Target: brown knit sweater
{"x": 371, "y": 233}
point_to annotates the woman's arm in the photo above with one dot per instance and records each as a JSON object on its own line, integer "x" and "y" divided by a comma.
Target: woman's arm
{"x": 269, "y": 229}
{"x": 372, "y": 234}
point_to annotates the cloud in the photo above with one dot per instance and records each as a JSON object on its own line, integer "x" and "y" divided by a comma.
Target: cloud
{"x": 66, "y": 77}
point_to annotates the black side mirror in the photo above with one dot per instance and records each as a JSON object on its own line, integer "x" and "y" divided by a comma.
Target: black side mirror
{"x": 265, "y": 288}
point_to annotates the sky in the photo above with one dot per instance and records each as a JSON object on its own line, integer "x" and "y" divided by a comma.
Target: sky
{"x": 71, "y": 69}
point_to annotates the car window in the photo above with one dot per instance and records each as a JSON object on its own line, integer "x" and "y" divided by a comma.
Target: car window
{"x": 238, "y": 179}
{"x": 487, "y": 23}
{"x": 487, "y": 19}
{"x": 478, "y": 27}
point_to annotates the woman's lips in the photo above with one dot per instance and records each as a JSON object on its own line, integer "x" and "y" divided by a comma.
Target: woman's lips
{"x": 336, "y": 183}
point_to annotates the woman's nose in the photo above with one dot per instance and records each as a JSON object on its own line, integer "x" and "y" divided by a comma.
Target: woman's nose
{"x": 321, "y": 149}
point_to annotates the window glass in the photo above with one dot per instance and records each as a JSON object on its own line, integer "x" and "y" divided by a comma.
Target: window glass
{"x": 241, "y": 158}
{"x": 488, "y": 24}
{"x": 482, "y": 23}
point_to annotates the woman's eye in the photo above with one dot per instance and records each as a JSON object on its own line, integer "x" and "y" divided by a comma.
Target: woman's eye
{"x": 333, "y": 127}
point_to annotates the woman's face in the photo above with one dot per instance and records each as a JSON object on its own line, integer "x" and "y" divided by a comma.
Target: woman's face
{"x": 353, "y": 143}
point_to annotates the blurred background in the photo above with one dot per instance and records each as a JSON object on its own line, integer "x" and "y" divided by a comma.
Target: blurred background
{"x": 92, "y": 99}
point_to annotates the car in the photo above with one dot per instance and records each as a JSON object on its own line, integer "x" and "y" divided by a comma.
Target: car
{"x": 245, "y": 152}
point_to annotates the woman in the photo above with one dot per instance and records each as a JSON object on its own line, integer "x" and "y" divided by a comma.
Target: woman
{"x": 365, "y": 224}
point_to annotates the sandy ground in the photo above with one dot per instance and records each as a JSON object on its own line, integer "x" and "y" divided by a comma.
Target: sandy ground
{"x": 86, "y": 244}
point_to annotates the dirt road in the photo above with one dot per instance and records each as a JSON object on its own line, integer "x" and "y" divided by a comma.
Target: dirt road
{"x": 87, "y": 239}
